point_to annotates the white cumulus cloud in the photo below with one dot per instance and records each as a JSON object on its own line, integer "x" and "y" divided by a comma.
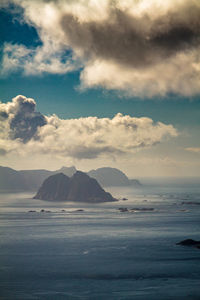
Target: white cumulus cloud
{"x": 27, "y": 131}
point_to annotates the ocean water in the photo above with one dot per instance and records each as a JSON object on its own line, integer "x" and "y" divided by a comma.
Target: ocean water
{"x": 100, "y": 252}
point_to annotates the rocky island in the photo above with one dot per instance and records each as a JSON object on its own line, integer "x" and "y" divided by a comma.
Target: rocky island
{"x": 78, "y": 188}
{"x": 190, "y": 243}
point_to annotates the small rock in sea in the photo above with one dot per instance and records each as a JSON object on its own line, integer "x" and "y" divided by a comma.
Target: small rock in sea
{"x": 136, "y": 209}
{"x": 32, "y": 211}
{"x": 124, "y": 199}
{"x": 123, "y": 209}
{"x": 79, "y": 210}
{"x": 63, "y": 210}
{"x": 142, "y": 209}
{"x": 46, "y": 211}
{"x": 189, "y": 243}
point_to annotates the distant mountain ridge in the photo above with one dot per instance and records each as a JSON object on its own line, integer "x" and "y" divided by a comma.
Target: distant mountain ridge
{"x": 79, "y": 188}
{"x": 12, "y": 180}
{"x": 31, "y": 180}
{"x": 27, "y": 180}
{"x": 107, "y": 176}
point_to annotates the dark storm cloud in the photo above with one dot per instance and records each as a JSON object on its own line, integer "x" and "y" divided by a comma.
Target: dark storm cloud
{"x": 3, "y": 115}
{"x": 26, "y": 120}
{"x": 22, "y": 118}
{"x": 135, "y": 41}
{"x": 25, "y": 126}
{"x": 133, "y": 46}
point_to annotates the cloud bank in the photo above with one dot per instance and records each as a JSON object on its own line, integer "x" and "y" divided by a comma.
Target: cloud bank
{"x": 25, "y": 131}
{"x": 143, "y": 48}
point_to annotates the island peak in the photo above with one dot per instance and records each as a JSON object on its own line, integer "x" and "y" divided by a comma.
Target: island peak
{"x": 79, "y": 188}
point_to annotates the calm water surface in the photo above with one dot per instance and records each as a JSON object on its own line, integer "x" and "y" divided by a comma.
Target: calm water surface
{"x": 100, "y": 252}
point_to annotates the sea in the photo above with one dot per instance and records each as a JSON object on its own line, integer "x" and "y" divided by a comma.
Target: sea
{"x": 118, "y": 250}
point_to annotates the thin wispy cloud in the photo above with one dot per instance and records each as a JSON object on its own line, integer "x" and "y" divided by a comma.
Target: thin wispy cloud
{"x": 193, "y": 149}
{"x": 142, "y": 48}
{"x": 26, "y": 131}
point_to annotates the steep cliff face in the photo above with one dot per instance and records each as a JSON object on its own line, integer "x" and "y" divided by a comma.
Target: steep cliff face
{"x": 79, "y": 188}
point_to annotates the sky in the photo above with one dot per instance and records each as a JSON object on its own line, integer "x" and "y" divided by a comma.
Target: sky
{"x": 101, "y": 83}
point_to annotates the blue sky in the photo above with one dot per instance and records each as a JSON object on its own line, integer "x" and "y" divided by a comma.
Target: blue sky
{"x": 60, "y": 93}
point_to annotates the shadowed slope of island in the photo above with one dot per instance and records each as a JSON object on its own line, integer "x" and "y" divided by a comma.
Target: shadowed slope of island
{"x": 55, "y": 187}
{"x": 79, "y": 188}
